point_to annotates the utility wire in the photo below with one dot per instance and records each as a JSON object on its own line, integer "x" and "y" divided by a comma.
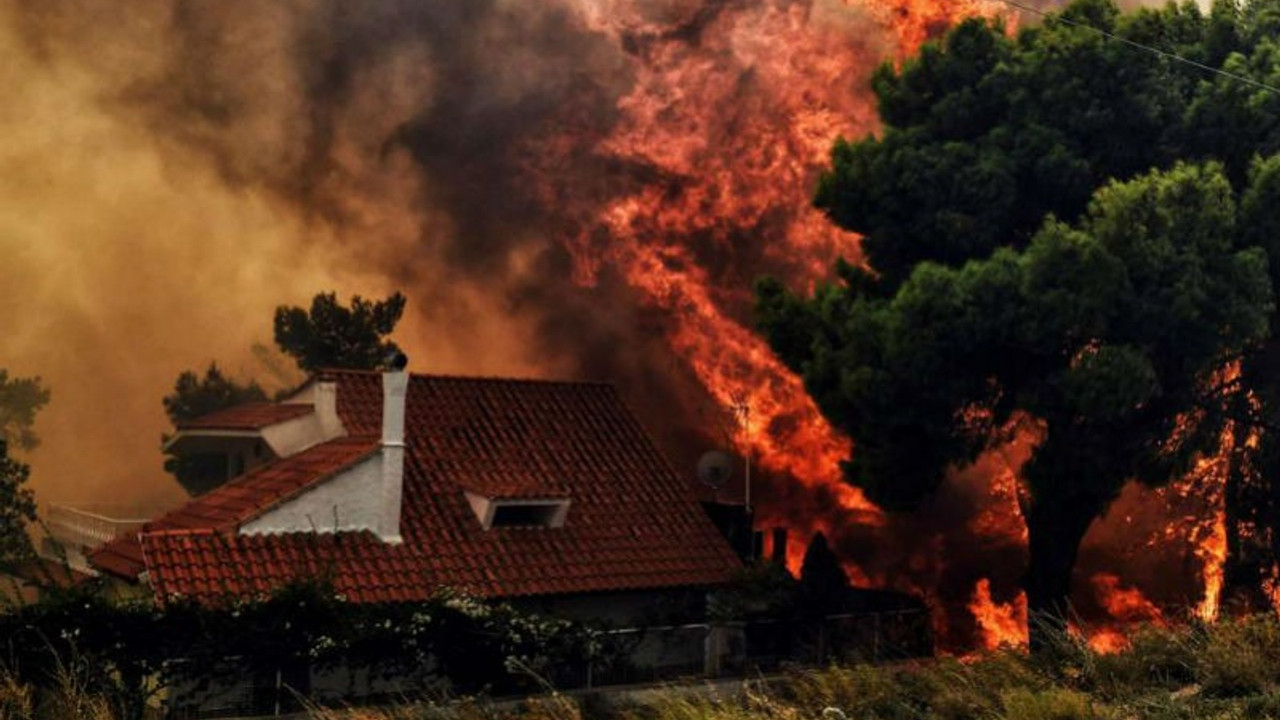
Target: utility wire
{"x": 1148, "y": 48}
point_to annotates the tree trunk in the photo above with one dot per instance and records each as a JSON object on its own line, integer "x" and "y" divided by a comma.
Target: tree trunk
{"x": 1244, "y": 506}
{"x": 1055, "y": 530}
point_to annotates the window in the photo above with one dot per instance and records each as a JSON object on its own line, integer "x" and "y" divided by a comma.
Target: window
{"x": 520, "y": 515}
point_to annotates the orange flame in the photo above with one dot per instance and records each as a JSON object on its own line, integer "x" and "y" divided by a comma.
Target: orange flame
{"x": 1271, "y": 587}
{"x": 1125, "y": 604}
{"x": 1201, "y": 495}
{"x": 725, "y": 177}
{"x": 998, "y": 623}
{"x": 1212, "y": 550}
{"x": 1125, "y": 607}
{"x": 1108, "y": 640}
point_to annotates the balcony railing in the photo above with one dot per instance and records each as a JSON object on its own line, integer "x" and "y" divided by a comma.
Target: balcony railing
{"x": 89, "y": 526}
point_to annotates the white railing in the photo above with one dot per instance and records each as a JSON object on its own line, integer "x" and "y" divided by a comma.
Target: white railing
{"x": 87, "y": 528}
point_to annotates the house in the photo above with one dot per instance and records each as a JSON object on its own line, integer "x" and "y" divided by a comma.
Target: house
{"x": 401, "y": 484}
{"x": 393, "y": 486}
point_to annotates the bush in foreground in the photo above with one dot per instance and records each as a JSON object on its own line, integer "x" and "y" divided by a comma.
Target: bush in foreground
{"x": 1224, "y": 671}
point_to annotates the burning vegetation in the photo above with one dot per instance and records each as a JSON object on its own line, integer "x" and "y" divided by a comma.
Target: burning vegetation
{"x": 581, "y": 187}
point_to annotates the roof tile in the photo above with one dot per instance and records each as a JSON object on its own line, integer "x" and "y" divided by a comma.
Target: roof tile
{"x": 249, "y": 416}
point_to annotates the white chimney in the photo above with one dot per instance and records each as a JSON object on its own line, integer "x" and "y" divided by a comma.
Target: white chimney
{"x": 395, "y": 388}
{"x": 325, "y": 402}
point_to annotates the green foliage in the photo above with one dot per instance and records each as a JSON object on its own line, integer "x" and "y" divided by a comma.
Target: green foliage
{"x": 17, "y": 509}
{"x": 194, "y": 395}
{"x": 1063, "y": 234}
{"x": 1104, "y": 331}
{"x": 20, "y": 400}
{"x": 126, "y": 653}
{"x": 332, "y": 335}
{"x": 1052, "y": 704}
{"x": 1240, "y": 657}
{"x": 1157, "y": 658}
{"x": 1227, "y": 670}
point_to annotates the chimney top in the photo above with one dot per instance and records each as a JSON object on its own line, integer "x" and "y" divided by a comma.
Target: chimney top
{"x": 395, "y": 361}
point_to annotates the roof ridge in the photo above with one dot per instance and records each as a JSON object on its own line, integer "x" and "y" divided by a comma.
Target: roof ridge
{"x": 252, "y": 475}
{"x": 316, "y": 480}
{"x": 181, "y": 531}
{"x": 327, "y": 372}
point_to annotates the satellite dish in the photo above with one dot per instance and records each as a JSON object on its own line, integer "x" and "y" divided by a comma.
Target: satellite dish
{"x": 714, "y": 468}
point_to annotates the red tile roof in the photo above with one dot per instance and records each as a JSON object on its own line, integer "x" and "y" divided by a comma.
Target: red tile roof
{"x": 632, "y": 522}
{"x": 250, "y": 416}
{"x": 240, "y": 500}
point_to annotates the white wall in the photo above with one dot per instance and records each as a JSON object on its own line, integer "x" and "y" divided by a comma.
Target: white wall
{"x": 353, "y": 494}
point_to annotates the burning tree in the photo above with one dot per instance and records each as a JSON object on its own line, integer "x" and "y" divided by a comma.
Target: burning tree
{"x": 1102, "y": 338}
{"x": 978, "y": 315}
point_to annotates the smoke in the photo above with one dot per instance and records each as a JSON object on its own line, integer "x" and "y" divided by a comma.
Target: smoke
{"x": 121, "y": 263}
{"x": 173, "y": 172}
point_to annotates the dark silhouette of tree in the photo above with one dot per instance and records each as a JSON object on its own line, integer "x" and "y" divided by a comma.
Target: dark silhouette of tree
{"x": 1106, "y": 336}
{"x": 194, "y": 396}
{"x": 20, "y": 400}
{"x": 331, "y": 335}
{"x": 822, "y": 581}
{"x": 17, "y": 509}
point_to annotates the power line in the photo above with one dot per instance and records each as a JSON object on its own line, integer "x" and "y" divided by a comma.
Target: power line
{"x": 1148, "y": 48}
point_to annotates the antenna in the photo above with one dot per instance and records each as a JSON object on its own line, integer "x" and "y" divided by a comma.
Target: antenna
{"x": 714, "y": 468}
{"x": 742, "y": 412}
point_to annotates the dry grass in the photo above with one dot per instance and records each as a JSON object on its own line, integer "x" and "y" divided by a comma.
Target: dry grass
{"x": 63, "y": 699}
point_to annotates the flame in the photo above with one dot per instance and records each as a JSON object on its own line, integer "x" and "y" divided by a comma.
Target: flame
{"x": 1125, "y": 607}
{"x": 1125, "y": 604}
{"x": 1108, "y": 641}
{"x": 736, "y": 152}
{"x": 1271, "y": 587}
{"x": 1212, "y": 551}
{"x": 998, "y": 623}
{"x": 1200, "y": 496}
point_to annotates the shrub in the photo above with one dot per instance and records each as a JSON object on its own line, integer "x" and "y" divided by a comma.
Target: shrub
{"x": 1051, "y": 704}
{"x": 1239, "y": 657}
{"x": 1157, "y": 658}
{"x": 16, "y": 701}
